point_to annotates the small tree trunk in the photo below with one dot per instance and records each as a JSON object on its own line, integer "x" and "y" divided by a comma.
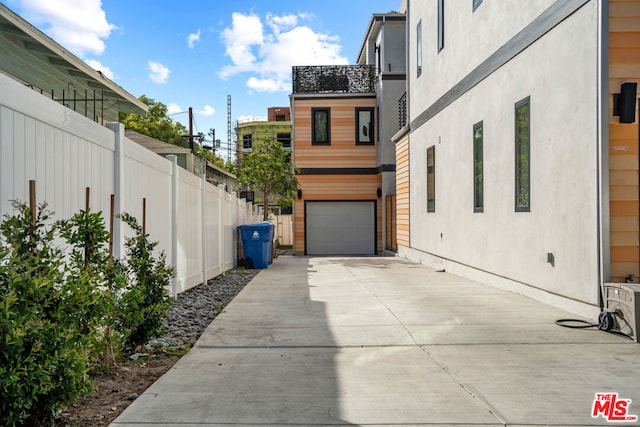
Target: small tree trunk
{"x": 265, "y": 213}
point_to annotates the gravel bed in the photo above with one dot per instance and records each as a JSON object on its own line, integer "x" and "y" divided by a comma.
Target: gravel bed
{"x": 193, "y": 310}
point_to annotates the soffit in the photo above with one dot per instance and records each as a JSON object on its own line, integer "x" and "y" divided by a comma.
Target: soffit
{"x": 31, "y": 57}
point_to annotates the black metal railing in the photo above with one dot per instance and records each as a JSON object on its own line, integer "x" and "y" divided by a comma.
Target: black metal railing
{"x": 90, "y": 106}
{"x": 334, "y": 79}
{"x": 402, "y": 111}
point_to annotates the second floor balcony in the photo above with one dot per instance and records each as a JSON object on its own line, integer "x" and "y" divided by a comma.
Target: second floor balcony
{"x": 334, "y": 79}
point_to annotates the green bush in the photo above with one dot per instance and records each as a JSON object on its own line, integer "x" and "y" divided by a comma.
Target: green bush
{"x": 61, "y": 312}
{"x": 47, "y": 321}
{"x": 88, "y": 239}
{"x": 145, "y": 302}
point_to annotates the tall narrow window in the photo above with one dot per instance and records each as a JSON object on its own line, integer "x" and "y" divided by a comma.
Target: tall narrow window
{"x": 320, "y": 126}
{"x": 364, "y": 126}
{"x": 478, "y": 169}
{"x": 523, "y": 156}
{"x": 431, "y": 179}
{"x": 419, "y": 48}
{"x": 440, "y": 25}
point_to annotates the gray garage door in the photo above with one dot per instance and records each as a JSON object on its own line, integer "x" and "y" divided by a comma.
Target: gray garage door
{"x": 340, "y": 228}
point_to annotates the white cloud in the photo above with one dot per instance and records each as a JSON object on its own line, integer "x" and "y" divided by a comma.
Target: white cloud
{"x": 270, "y": 56}
{"x": 207, "y": 110}
{"x": 96, "y": 65}
{"x": 301, "y": 46}
{"x": 193, "y": 39}
{"x": 78, "y": 25}
{"x": 158, "y": 73}
{"x": 173, "y": 108}
{"x": 268, "y": 85}
{"x": 246, "y": 31}
{"x": 279, "y": 23}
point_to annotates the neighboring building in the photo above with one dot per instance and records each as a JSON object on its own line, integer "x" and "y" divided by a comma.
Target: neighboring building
{"x": 512, "y": 168}
{"x": 384, "y": 46}
{"x": 337, "y": 211}
{"x": 187, "y": 160}
{"x": 277, "y": 126}
{"x": 343, "y": 121}
{"x": 34, "y": 59}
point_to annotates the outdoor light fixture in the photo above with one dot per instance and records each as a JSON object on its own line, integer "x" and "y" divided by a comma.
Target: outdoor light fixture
{"x": 299, "y": 194}
{"x": 624, "y": 103}
{"x": 379, "y": 192}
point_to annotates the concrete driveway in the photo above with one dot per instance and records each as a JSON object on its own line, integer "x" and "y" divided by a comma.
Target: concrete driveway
{"x": 382, "y": 341}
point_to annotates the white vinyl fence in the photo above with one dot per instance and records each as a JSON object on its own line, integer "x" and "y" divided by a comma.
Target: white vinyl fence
{"x": 65, "y": 153}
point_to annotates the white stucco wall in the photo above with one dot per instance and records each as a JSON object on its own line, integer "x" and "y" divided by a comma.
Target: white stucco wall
{"x": 470, "y": 37}
{"x": 558, "y": 73}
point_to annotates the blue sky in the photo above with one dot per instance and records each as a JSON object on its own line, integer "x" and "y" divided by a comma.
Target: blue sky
{"x": 195, "y": 53}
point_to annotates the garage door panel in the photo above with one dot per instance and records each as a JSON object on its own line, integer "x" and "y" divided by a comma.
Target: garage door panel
{"x": 340, "y": 228}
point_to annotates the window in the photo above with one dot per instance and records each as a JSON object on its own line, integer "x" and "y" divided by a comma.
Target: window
{"x": 431, "y": 179}
{"x": 284, "y": 139}
{"x": 476, "y": 3}
{"x": 523, "y": 156}
{"x": 320, "y": 126}
{"x": 478, "y": 179}
{"x": 419, "y": 48}
{"x": 440, "y": 25}
{"x": 364, "y": 126}
{"x": 247, "y": 142}
{"x": 281, "y": 118}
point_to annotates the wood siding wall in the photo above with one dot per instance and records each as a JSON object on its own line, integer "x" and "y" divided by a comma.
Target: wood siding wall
{"x": 402, "y": 191}
{"x": 624, "y": 66}
{"x": 342, "y": 153}
{"x": 391, "y": 236}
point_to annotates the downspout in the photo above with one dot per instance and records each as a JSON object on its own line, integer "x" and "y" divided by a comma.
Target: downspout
{"x": 408, "y": 54}
{"x": 602, "y": 130}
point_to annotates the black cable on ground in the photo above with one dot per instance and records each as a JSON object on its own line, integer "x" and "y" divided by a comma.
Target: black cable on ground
{"x": 581, "y": 324}
{"x": 605, "y": 319}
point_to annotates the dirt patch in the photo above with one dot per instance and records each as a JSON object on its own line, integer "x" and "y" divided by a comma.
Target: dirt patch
{"x": 190, "y": 314}
{"x": 114, "y": 390}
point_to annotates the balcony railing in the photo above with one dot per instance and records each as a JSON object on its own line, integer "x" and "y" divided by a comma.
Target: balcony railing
{"x": 334, "y": 79}
{"x": 402, "y": 111}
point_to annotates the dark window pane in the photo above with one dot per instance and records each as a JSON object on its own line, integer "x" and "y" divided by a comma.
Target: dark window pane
{"x": 364, "y": 126}
{"x": 523, "y": 156}
{"x": 478, "y": 169}
{"x": 419, "y": 48}
{"x": 284, "y": 139}
{"x": 320, "y": 126}
{"x": 247, "y": 142}
{"x": 440, "y": 25}
{"x": 431, "y": 179}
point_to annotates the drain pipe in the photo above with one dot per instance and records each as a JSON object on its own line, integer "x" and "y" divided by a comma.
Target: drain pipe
{"x": 602, "y": 162}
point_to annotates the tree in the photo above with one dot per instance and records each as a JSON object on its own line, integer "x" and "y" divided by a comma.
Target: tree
{"x": 268, "y": 169}
{"x": 156, "y": 123}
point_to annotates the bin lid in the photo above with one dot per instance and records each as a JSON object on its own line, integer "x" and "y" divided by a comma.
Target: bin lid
{"x": 260, "y": 226}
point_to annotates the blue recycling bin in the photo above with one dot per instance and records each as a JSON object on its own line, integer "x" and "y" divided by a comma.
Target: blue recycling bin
{"x": 257, "y": 241}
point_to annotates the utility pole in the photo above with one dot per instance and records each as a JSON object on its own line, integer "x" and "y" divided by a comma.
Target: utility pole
{"x": 191, "y": 128}
{"x": 212, "y": 134}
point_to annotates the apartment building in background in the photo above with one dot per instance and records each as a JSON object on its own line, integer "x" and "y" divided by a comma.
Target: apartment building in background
{"x": 275, "y": 126}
